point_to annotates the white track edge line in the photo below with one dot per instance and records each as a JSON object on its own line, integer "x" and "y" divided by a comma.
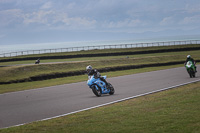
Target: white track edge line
{"x": 124, "y": 99}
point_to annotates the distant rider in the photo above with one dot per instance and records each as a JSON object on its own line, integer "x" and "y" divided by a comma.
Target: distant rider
{"x": 37, "y": 61}
{"x": 189, "y": 58}
{"x": 94, "y": 72}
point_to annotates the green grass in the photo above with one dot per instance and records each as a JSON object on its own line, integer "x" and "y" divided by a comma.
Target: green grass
{"x": 173, "y": 111}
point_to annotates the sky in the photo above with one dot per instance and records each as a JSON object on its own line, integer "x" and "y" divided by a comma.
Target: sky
{"x": 48, "y": 21}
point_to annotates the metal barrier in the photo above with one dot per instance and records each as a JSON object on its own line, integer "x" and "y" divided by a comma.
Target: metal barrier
{"x": 71, "y": 49}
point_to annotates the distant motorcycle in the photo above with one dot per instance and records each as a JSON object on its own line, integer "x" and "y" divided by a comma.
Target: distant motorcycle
{"x": 37, "y": 61}
{"x": 190, "y": 68}
{"x": 99, "y": 87}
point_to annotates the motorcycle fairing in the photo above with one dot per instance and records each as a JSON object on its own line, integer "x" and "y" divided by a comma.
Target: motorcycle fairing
{"x": 97, "y": 82}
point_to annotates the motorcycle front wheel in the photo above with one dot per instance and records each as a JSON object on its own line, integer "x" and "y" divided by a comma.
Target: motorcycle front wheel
{"x": 96, "y": 92}
{"x": 192, "y": 74}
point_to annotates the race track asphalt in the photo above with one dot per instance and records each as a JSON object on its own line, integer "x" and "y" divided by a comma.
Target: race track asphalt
{"x": 37, "y": 104}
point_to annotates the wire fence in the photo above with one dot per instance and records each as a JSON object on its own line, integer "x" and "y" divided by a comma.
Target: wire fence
{"x": 85, "y": 48}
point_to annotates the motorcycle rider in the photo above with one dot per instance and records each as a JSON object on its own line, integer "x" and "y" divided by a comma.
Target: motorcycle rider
{"x": 96, "y": 74}
{"x": 37, "y": 61}
{"x": 189, "y": 58}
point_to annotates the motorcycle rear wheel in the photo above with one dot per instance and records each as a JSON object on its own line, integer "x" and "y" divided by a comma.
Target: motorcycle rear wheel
{"x": 112, "y": 90}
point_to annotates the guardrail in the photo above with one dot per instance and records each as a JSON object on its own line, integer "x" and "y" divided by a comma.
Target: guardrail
{"x": 71, "y": 49}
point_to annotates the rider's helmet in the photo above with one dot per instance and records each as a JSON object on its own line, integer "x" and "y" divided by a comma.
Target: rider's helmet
{"x": 88, "y": 68}
{"x": 188, "y": 56}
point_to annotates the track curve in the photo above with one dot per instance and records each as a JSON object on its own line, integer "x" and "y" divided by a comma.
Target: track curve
{"x": 43, "y": 103}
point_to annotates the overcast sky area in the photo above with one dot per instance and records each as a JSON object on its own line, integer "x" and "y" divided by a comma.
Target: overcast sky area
{"x": 47, "y": 21}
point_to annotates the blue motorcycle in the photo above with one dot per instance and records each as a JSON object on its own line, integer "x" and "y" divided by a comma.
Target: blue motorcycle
{"x": 99, "y": 87}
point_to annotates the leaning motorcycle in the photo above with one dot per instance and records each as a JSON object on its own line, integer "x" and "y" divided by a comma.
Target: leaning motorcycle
{"x": 37, "y": 62}
{"x": 190, "y": 68}
{"x": 99, "y": 87}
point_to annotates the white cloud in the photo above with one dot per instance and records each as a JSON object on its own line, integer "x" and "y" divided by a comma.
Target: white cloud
{"x": 191, "y": 20}
{"x": 10, "y": 16}
{"x": 127, "y": 16}
{"x": 57, "y": 20}
{"x": 71, "y": 6}
{"x": 40, "y": 17}
{"x": 192, "y": 8}
{"x": 167, "y": 21}
{"x": 6, "y": 1}
{"x": 47, "y": 5}
{"x": 73, "y": 22}
{"x": 122, "y": 24}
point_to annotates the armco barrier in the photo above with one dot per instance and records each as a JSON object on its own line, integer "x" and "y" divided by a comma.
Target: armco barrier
{"x": 102, "y": 54}
{"x": 134, "y": 45}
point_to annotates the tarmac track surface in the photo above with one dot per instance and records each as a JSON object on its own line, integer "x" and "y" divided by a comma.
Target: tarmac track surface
{"x": 37, "y": 104}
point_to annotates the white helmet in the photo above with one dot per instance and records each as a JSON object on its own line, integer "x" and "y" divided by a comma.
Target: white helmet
{"x": 188, "y": 56}
{"x": 88, "y": 68}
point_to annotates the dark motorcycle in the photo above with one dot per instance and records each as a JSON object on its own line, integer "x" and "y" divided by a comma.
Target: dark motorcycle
{"x": 37, "y": 61}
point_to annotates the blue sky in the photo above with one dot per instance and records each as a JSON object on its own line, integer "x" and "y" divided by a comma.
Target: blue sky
{"x": 47, "y": 21}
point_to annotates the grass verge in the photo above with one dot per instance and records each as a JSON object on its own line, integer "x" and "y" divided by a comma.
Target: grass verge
{"x": 174, "y": 111}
